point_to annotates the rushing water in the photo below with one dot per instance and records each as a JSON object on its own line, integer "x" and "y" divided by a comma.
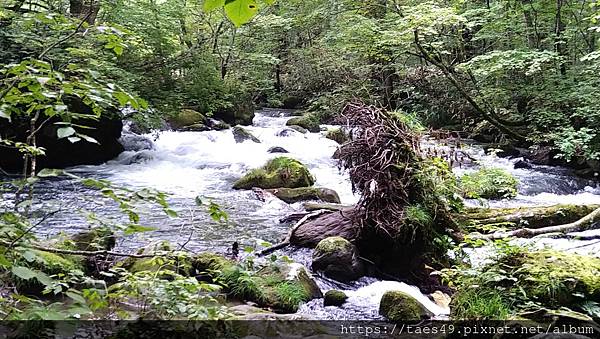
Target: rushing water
{"x": 205, "y": 164}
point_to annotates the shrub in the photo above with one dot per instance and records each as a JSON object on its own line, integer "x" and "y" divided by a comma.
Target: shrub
{"x": 489, "y": 183}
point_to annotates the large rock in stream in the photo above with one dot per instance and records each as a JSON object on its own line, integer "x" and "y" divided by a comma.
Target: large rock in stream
{"x": 61, "y": 153}
{"x": 398, "y": 306}
{"x": 281, "y": 286}
{"x": 338, "y": 259}
{"x": 280, "y": 172}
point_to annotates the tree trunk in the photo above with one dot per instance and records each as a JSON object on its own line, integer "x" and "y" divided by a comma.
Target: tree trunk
{"x": 85, "y": 9}
{"x": 559, "y": 45}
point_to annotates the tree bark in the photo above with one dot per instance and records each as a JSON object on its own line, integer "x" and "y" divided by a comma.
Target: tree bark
{"x": 85, "y": 9}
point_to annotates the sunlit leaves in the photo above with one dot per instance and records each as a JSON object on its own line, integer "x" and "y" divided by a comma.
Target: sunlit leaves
{"x": 65, "y": 132}
{"x": 210, "y": 5}
{"x": 240, "y": 11}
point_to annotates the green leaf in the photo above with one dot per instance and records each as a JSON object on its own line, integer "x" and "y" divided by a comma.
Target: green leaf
{"x": 74, "y": 139}
{"x": 88, "y": 138}
{"x": 29, "y": 256}
{"x": 211, "y": 5}
{"x": 3, "y": 261}
{"x": 50, "y": 172}
{"x": 241, "y": 11}
{"x": 75, "y": 296}
{"x": 65, "y": 132}
{"x": 23, "y": 272}
{"x": 171, "y": 213}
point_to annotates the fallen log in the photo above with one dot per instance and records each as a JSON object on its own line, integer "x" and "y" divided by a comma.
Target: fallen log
{"x": 287, "y": 241}
{"x": 530, "y": 217}
{"x": 590, "y": 221}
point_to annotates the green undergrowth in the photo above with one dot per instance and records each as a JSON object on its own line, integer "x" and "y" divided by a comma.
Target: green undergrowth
{"x": 489, "y": 183}
{"x": 519, "y": 280}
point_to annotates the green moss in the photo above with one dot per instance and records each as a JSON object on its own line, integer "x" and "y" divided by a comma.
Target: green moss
{"x": 53, "y": 263}
{"x": 337, "y": 135}
{"x": 307, "y": 121}
{"x": 489, "y": 183}
{"x": 334, "y": 298}
{"x": 557, "y": 278}
{"x": 277, "y": 173}
{"x": 187, "y": 117}
{"x": 398, "y": 306}
{"x": 518, "y": 280}
{"x": 333, "y": 244}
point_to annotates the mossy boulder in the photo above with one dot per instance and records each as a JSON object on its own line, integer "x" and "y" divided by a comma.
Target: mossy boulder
{"x": 489, "y": 183}
{"x": 47, "y": 264}
{"x": 218, "y": 125}
{"x": 277, "y": 173}
{"x": 337, "y": 135}
{"x": 307, "y": 121}
{"x": 338, "y": 259}
{"x": 241, "y": 134}
{"x": 187, "y": 117}
{"x": 95, "y": 239}
{"x": 334, "y": 298}
{"x": 398, "y": 306}
{"x": 277, "y": 149}
{"x": 292, "y": 195}
{"x": 279, "y": 286}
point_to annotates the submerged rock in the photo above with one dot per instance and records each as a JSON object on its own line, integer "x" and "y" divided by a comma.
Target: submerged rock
{"x": 398, "y": 306}
{"x": 286, "y": 132}
{"x": 521, "y": 164}
{"x": 337, "y": 135}
{"x": 135, "y": 142}
{"x": 299, "y": 129}
{"x": 338, "y": 259}
{"x": 277, "y": 149}
{"x": 292, "y": 195}
{"x": 138, "y": 158}
{"x": 241, "y": 134}
{"x": 217, "y": 125}
{"x": 277, "y": 173}
{"x": 334, "y": 298}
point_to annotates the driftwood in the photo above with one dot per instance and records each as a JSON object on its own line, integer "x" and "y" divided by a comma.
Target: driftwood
{"x": 287, "y": 241}
{"x": 590, "y": 221}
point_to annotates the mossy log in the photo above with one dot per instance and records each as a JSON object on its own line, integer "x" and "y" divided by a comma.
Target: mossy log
{"x": 531, "y": 217}
{"x": 590, "y": 221}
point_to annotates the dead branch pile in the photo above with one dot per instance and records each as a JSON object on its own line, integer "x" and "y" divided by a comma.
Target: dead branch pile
{"x": 384, "y": 168}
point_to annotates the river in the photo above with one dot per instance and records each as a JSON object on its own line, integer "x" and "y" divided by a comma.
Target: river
{"x": 187, "y": 165}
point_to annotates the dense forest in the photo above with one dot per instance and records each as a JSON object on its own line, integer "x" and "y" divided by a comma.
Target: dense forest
{"x": 396, "y": 160}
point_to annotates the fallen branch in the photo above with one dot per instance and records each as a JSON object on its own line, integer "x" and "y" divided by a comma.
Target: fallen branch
{"x": 590, "y": 221}
{"x": 286, "y": 241}
{"x": 88, "y": 253}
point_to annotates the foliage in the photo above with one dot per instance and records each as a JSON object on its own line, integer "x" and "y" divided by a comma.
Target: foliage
{"x": 489, "y": 183}
{"x": 518, "y": 280}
